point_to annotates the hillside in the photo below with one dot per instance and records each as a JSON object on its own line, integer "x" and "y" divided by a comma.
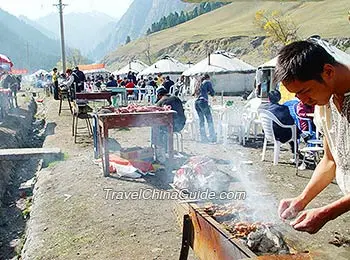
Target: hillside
{"x": 26, "y": 46}
{"x": 135, "y": 22}
{"x": 80, "y": 32}
{"x": 231, "y": 28}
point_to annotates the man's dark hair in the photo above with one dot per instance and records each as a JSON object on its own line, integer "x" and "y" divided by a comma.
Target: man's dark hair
{"x": 76, "y": 68}
{"x": 303, "y": 61}
{"x": 274, "y": 96}
{"x": 54, "y": 69}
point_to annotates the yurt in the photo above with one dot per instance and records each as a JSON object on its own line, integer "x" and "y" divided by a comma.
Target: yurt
{"x": 165, "y": 66}
{"x": 265, "y": 72}
{"x": 135, "y": 66}
{"x": 228, "y": 73}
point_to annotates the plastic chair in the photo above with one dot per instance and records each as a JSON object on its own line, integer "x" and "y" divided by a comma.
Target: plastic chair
{"x": 178, "y": 140}
{"x": 192, "y": 119}
{"x": 140, "y": 95}
{"x": 150, "y": 96}
{"x": 267, "y": 120}
{"x": 233, "y": 119}
{"x": 252, "y": 116}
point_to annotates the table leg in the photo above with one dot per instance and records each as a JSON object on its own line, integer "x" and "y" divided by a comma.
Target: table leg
{"x": 105, "y": 153}
{"x": 96, "y": 135}
{"x": 170, "y": 143}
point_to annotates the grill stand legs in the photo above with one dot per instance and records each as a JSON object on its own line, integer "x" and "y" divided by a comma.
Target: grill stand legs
{"x": 186, "y": 237}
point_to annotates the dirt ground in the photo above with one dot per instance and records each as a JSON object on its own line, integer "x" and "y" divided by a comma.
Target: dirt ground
{"x": 72, "y": 219}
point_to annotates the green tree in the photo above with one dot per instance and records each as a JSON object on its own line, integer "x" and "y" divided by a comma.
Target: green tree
{"x": 128, "y": 39}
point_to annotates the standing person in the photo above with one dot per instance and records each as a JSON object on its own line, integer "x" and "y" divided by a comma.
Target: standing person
{"x": 317, "y": 78}
{"x": 168, "y": 83}
{"x": 55, "y": 83}
{"x": 203, "y": 110}
{"x": 82, "y": 79}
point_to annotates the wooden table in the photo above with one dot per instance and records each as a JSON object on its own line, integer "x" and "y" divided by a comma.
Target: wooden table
{"x": 119, "y": 90}
{"x": 95, "y": 96}
{"x": 142, "y": 119}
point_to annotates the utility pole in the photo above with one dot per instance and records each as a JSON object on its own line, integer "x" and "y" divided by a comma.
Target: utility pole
{"x": 27, "y": 51}
{"x": 63, "y": 48}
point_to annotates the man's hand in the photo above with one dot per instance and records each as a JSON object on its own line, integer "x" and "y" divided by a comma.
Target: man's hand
{"x": 289, "y": 208}
{"x": 311, "y": 221}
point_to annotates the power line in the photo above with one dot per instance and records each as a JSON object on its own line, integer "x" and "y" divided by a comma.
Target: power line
{"x": 63, "y": 48}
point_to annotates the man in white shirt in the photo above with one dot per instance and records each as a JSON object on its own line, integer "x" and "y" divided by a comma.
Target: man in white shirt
{"x": 309, "y": 70}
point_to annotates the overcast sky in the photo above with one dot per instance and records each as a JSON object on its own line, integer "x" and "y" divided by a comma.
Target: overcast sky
{"x": 36, "y": 8}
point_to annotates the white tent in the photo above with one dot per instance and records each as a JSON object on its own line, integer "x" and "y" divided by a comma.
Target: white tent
{"x": 133, "y": 66}
{"x": 269, "y": 64}
{"x": 228, "y": 74}
{"x": 166, "y": 65}
{"x": 41, "y": 71}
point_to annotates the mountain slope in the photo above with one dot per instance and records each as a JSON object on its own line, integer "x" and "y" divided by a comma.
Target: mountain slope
{"x": 135, "y": 22}
{"x": 228, "y": 25}
{"x": 40, "y": 28}
{"x": 83, "y": 31}
{"x": 25, "y": 45}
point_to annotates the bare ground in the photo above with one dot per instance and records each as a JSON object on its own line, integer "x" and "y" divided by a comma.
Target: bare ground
{"x": 71, "y": 218}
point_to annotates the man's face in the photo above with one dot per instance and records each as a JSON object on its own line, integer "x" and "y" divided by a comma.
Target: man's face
{"x": 310, "y": 92}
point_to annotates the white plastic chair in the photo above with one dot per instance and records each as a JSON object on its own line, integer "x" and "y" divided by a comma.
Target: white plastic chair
{"x": 252, "y": 114}
{"x": 150, "y": 95}
{"x": 140, "y": 96}
{"x": 232, "y": 119}
{"x": 192, "y": 119}
{"x": 172, "y": 90}
{"x": 267, "y": 120}
{"x": 178, "y": 142}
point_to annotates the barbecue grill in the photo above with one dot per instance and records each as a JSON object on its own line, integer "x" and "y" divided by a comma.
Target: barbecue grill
{"x": 210, "y": 241}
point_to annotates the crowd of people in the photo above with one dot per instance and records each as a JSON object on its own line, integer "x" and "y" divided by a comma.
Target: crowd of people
{"x": 76, "y": 79}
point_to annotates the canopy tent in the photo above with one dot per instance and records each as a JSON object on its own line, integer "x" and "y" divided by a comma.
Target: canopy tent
{"x": 5, "y": 60}
{"x": 133, "y": 66}
{"x": 166, "y": 65}
{"x": 229, "y": 74}
{"x": 269, "y": 64}
{"x": 40, "y": 72}
{"x": 265, "y": 72}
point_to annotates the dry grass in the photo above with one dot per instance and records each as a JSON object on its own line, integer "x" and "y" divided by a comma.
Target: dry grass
{"x": 327, "y": 18}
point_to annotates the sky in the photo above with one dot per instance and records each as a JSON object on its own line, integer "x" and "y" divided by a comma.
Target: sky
{"x": 34, "y": 9}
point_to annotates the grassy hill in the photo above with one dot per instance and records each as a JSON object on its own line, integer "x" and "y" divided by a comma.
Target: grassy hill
{"x": 232, "y": 26}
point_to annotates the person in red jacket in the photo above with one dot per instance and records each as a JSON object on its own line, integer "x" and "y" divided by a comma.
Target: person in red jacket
{"x": 130, "y": 85}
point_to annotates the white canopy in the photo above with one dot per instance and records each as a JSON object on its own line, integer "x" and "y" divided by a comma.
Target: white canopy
{"x": 133, "y": 66}
{"x": 41, "y": 71}
{"x": 166, "y": 65}
{"x": 102, "y": 70}
{"x": 339, "y": 55}
{"x": 270, "y": 63}
{"x": 220, "y": 63}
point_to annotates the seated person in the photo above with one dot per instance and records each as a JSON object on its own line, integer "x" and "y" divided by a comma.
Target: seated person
{"x": 160, "y": 138}
{"x": 303, "y": 110}
{"x": 111, "y": 82}
{"x": 163, "y": 98}
{"x": 283, "y": 115}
